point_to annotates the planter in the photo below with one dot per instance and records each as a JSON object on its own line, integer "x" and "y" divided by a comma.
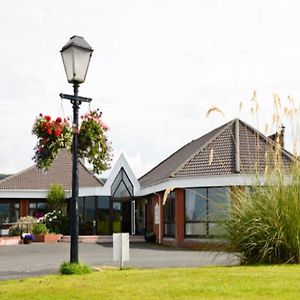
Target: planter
{"x": 27, "y": 241}
{"x": 47, "y": 238}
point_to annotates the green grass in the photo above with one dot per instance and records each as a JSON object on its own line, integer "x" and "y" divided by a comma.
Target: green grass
{"x": 247, "y": 282}
{"x": 68, "y": 268}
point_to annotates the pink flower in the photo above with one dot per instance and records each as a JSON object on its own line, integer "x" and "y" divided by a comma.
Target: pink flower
{"x": 104, "y": 126}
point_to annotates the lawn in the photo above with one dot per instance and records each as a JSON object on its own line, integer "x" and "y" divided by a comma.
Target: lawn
{"x": 263, "y": 282}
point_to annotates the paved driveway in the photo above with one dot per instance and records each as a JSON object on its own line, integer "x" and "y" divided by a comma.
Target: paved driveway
{"x": 20, "y": 261}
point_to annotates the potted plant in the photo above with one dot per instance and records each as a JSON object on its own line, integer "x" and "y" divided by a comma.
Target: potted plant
{"x": 55, "y": 134}
{"x": 150, "y": 237}
{"x": 27, "y": 238}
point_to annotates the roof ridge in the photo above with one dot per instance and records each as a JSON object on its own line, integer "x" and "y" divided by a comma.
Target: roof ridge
{"x": 219, "y": 130}
{"x": 267, "y": 139}
{"x": 177, "y": 152}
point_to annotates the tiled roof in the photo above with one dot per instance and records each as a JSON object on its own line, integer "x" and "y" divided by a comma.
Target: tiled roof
{"x": 232, "y": 148}
{"x": 60, "y": 172}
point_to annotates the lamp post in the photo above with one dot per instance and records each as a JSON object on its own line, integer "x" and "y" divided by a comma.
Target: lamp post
{"x": 76, "y": 55}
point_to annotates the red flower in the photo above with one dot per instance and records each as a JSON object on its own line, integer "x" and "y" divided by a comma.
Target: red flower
{"x": 49, "y": 131}
{"x": 48, "y": 118}
{"x": 58, "y": 120}
{"x": 57, "y": 132}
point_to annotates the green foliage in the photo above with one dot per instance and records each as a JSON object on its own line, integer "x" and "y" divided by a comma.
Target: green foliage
{"x": 24, "y": 224}
{"x": 52, "y": 135}
{"x": 56, "y": 198}
{"x": 93, "y": 143}
{"x": 265, "y": 223}
{"x": 39, "y": 228}
{"x": 56, "y": 222}
{"x": 68, "y": 268}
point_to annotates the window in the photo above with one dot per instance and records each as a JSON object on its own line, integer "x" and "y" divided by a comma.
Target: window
{"x": 205, "y": 209}
{"x": 9, "y": 211}
{"x": 169, "y": 215}
{"x": 37, "y": 208}
{"x": 122, "y": 186}
{"x": 87, "y": 215}
{"x": 102, "y": 211}
{"x": 150, "y": 214}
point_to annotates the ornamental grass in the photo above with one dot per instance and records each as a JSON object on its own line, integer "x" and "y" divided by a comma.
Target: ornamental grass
{"x": 265, "y": 220}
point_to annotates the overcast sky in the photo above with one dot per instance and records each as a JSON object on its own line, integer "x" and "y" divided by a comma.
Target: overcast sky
{"x": 157, "y": 67}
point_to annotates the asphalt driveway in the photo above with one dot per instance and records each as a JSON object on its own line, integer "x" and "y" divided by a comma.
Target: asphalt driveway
{"x": 20, "y": 261}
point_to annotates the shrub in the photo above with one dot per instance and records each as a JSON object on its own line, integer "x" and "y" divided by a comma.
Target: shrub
{"x": 56, "y": 222}
{"x": 39, "y": 228}
{"x": 24, "y": 224}
{"x": 56, "y": 198}
{"x": 265, "y": 223}
{"x": 68, "y": 268}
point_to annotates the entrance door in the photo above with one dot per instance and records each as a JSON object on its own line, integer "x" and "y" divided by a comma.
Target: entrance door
{"x": 123, "y": 219}
{"x": 126, "y": 216}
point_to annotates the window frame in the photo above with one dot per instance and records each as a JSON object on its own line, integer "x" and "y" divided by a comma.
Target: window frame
{"x": 207, "y": 220}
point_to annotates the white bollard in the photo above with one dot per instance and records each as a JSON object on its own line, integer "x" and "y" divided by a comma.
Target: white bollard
{"x": 121, "y": 248}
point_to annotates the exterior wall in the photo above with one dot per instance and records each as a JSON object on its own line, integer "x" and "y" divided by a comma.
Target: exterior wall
{"x": 179, "y": 216}
{"x": 24, "y": 207}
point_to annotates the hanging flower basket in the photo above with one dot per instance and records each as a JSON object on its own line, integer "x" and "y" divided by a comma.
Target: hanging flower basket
{"x": 56, "y": 134}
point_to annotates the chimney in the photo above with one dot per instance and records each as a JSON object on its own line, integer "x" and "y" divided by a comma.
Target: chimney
{"x": 279, "y": 135}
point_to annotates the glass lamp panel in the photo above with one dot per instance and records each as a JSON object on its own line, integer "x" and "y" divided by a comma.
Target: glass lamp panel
{"x": 67, "y": 57}
{"x": 81, "y": 59}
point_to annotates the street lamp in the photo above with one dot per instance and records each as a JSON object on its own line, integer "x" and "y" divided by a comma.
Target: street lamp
{"x": 76, "y": 55}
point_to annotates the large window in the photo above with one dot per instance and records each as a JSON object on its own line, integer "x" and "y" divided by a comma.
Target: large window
{"x": 169, "y": 215}
{"x": 102, "y": 210}
{"x": 93, "y": 215}
{"x": 122, "y": 186}
{"x": 9, "y": 211}
{"x": 205, "y": 210}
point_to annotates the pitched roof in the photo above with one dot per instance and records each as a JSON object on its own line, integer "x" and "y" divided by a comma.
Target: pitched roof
{"x": 60, "y": 172}
{"x": 234, "y": 147}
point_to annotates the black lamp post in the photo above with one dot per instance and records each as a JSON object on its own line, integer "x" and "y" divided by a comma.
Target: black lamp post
{"x": 76, "y": 55}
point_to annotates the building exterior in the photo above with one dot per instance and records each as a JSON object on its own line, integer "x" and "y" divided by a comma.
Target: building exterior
{"x": 182, "y": 200}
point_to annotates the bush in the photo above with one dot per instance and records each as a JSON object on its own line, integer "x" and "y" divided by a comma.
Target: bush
{"x": 56, "y": 222}
{"x": 24, "y": 224}
{"x": 39, "y": 228}
{"x": 265, "y": 223}
{"x": 68, "y": 268}
{"x": 56, "y": 198}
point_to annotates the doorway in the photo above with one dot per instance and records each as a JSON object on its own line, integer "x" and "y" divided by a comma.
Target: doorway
{"x": 123, "y": 216}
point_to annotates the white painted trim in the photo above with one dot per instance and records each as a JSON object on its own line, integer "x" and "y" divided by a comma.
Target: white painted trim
{"x": 23, "y": 194}
{"x": 121, "y": 163}
{"x": 224, "y": 180}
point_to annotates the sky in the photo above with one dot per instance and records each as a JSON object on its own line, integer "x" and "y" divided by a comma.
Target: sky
{"x": 157, "y": 68}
